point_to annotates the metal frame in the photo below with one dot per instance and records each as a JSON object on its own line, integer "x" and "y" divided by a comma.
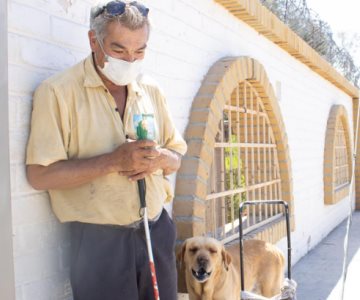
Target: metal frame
{"x": 7, "y": 281}
{"x": 273, "y": 202}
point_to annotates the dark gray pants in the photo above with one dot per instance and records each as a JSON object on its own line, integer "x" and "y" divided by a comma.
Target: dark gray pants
{"x": 111, "y": 262}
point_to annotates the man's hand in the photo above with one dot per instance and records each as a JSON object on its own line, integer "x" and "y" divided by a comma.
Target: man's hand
{"x": 167, "y": 160}
{"x": 134, "y": 157}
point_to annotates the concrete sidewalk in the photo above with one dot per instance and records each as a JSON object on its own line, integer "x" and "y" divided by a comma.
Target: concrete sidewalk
{"x": 318, "y": 274}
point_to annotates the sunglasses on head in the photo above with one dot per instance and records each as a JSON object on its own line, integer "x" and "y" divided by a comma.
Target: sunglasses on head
{"x": 117, "y": 8}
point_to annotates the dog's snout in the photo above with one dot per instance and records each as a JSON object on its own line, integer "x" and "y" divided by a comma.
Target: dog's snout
{"x": 202, "y": 261}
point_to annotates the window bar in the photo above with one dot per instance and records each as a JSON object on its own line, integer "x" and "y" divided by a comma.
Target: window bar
{"x": 213, "y": 189}
{"x": 252, "y": 155}
{"x": 243, "y": 145}
{"x": 222, "y": 172}
{"x": 280, "y": 183}
{"x": 277, "y": 176}
{"x": 281, "y": 208}
{"x": 240, "y": 163}
{"x": 258, "y": 156}
{"x": 232, "y": 213}
{"x": 210, "y": 226}
{"x": 241, "y": 190}
{"x": 274, "y": 177}
{"x": 270, "y": 170}
{"x": 265, "y": 166}
{"x": 247, "y": 173}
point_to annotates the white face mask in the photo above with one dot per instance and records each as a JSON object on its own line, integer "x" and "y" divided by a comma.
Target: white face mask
{"x": 118, "y": 71}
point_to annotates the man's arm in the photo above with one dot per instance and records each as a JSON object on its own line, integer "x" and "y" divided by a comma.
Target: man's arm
{"x": 129, "y": 158}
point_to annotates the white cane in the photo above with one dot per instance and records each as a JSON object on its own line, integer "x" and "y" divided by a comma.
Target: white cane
{"x": 143, "y": 212}
{"x": 144, "y": 127}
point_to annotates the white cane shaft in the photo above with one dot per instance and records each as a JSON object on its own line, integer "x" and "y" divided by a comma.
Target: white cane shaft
{"x": 150, "y": 253}
{"x": 147, "y": 235}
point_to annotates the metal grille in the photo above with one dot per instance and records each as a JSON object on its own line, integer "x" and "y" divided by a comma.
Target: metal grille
{"x": 245, "y": 167}
{"x": 342, "y": 178}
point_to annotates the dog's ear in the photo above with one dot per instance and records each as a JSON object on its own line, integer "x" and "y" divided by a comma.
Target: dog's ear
{"x": 226, "y": 258}
{"x": 181, "y": 253}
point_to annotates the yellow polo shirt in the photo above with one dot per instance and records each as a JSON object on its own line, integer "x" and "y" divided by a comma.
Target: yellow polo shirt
{"x": 74, "y": 117}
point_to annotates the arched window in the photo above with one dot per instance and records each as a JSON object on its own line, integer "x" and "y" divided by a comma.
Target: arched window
{"x": 245, "y": 166}
{"x": 237, "y": 150}
{"x": 337, "y": 160}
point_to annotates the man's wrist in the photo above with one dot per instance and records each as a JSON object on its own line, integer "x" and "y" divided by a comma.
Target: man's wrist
{"x": 171, "y": 161}
{"x": 107, "y": 164}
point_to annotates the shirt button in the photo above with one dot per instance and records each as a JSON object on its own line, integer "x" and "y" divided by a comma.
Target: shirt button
{"x": 105, "y": 90}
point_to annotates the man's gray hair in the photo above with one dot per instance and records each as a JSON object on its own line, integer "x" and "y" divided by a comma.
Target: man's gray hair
{"x": 131, "y": 19}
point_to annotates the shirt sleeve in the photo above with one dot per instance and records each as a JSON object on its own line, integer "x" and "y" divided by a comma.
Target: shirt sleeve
{"x": 172, "y": 138}
{"x": 49, "y": 132}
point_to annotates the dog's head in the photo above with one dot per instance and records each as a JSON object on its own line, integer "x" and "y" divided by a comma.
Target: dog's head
{"x": 203, "y": 257}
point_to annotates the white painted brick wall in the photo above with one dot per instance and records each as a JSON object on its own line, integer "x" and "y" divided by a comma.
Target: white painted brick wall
{"x": 188, "y": 37}
{"x": 38, "y": 48}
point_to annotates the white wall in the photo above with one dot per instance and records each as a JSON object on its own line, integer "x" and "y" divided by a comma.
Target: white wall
{"x": 7, "y": 286}
{"x": 43, "y": 39}
{"x": 188, "y": 37}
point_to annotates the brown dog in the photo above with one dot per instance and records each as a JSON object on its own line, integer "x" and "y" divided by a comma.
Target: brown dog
{"x": 213, "y": 272}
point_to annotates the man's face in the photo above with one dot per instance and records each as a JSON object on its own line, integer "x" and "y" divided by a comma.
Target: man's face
{"x": 120, "y": 42}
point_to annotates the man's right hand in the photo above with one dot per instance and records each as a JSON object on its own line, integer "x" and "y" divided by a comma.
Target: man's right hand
{"x": 134, "y": 156}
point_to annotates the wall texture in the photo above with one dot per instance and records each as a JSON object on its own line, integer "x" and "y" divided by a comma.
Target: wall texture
{"x": 44, "y": 38}
{"x": 7, "y": 287}
{"x": 188, "y": 37}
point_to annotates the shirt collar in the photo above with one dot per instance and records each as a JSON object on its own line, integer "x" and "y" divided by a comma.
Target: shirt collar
{"x": 92, "y": 79}
{"x": 135, "y": 89}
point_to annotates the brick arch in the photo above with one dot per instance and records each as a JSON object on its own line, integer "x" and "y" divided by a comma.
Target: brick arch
{"x": 337, "y": 117}
{"x": 206, "y": 113}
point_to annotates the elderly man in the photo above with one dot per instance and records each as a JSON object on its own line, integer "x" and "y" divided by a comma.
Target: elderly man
{"x": 79, "y": 150}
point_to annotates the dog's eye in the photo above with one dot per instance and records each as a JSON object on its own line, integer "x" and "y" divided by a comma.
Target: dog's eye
{"x": 193, "y": 249}
{"x": 213, "y": 251}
